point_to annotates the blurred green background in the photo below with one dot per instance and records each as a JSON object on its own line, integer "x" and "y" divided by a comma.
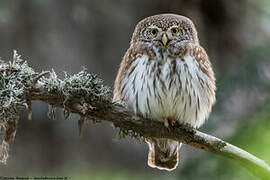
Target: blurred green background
{"x": 66, "y": 35}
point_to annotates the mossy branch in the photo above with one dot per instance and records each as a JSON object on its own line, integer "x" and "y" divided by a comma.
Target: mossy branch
{"x": 84, "y": 94}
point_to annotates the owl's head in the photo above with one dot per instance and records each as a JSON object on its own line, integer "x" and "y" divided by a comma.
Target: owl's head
{"x": 164, "y": 30}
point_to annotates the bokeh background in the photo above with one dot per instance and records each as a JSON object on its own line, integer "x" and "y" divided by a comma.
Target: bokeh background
{"x": 67, "y": 35}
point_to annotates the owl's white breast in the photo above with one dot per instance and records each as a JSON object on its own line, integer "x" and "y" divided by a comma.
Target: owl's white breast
{"x": 168, "y": 88}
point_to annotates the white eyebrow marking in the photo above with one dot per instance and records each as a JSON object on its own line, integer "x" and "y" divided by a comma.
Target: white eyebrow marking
{"x": 173, "y": 26}
{"x": 154, "y": 26}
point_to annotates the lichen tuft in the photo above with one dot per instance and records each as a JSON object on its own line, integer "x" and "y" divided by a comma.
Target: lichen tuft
{"x": 81, "y": 85}
{"x": 14, "y": 80}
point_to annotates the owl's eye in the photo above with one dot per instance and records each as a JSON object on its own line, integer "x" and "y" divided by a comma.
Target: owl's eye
{"x": 153, "y": 32}
{"x": 175, "y": 30}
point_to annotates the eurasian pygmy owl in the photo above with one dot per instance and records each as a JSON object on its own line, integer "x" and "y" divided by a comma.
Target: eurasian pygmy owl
{"x": 166, "y": 76}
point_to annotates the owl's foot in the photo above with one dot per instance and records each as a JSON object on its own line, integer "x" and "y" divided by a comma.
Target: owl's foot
{"x": 166, "y": 123}
{"x": 172, "y": 122}
{"x": 169, "y": 122}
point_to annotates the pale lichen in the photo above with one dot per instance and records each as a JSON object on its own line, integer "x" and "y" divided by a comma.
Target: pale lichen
{"x": 81, "y": 85}
{"x": 14, "y": 81}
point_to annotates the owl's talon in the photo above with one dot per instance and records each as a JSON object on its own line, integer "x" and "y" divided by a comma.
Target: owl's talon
{"x": 166, "y": 123}
{"x": 169, "y": 122}
{"x": 172, "y": 122}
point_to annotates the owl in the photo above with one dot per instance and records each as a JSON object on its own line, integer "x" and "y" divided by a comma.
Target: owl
{"x": 166, "y": 76}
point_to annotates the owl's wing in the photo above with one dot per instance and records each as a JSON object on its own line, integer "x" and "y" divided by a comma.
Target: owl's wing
{"x": 126, "y": 61}
{"x": 133, "y": 53}
{"x": 199, "y": 55}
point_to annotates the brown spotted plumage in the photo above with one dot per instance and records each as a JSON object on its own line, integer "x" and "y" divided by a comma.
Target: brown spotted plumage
{"x": 166, "y": 76}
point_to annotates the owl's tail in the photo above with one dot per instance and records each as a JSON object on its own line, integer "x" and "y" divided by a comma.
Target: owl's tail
{"x": 163, "y": 153}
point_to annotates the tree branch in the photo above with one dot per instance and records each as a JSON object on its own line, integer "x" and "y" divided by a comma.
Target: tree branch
{"x": 85, "y": 95}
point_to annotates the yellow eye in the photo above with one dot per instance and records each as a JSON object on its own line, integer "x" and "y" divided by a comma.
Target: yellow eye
{"x": 153, "y": 32}
{"x": 175, "y": 30}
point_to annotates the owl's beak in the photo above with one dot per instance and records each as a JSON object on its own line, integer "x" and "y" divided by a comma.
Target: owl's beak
{"x": 164, "y": 39}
